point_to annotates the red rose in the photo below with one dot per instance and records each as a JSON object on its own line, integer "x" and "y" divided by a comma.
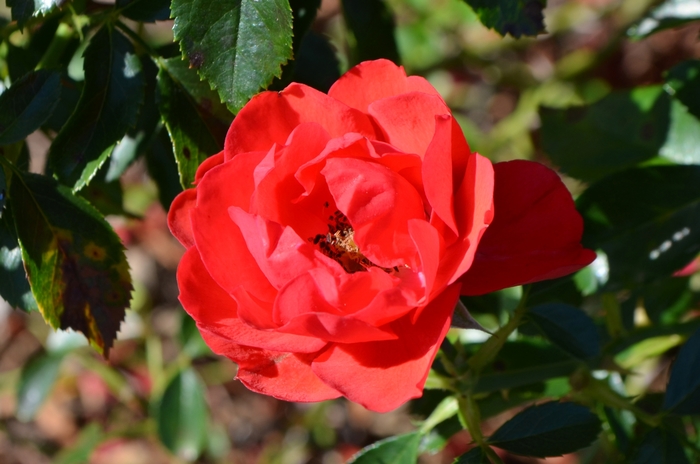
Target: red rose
{"x": 330, "y": 240}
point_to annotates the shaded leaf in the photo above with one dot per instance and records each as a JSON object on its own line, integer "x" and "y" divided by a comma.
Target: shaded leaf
{"x": 646, "y": 220}
{"x": 671, "y": 13}
{"x": 683, "y": 83}
{"x": 75, "y": 262}
{"x": 14, "y": 287}
{"x": 514, "y": 17}
{"x": 36, "y": 380}
{"x": 316, "y": 64}
{"x": 70, "y": 96}
{"x": 549, "y": 429}
{"x": 108, "y": 106}
{"x": 683, "y": 389}
{"x": 26, "y": 105}
{"x": 660, "y": 447}
{"x": 163, "y": 169}
{"x": 303, "y": 14}
{"x": 182, "y": 415}
{"x": 474, "y": 456}
{"x": 192, "y": 116}
{"x": 569, "y": 328}
{"x": 239, "y": 46}
{"x": 23, "y": 10}
{"x": 145, "y": 10}
{"x": 617, "y": 132}
{"x": 401, "y": 449}
{"x": 372, "y": 25}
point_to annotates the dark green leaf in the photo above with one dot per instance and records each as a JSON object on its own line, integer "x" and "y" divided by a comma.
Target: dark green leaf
{"x": 106, "y": 196}
{"x": 401, "y": 449}
{"x": 683, "y": 390}
{"x": 569, "y": 328}
{"x": 108, "y": 106}
{"x": 239, "y": 46}
{"x": 14, "y": 287}
{"x": 666, "y": 300}
{"x": 316, "y": 64}
{"x": 182, "y": 415}
{"x": 70, "y": 96}
{"x": 303, "y": 13}
{"x": 660, "y": 447}
{"x": 26, "y": 105}
{"x": 647, "y": 221}
{"x": 683, "y": 82}
{"x": 549, "y": 429}
{"x": 24, "y": 59}
{"x": 163, "y": 169}
{"x": 514, "y": 17}
{"x": 617, "y": 132}
{"x": 192, "y": 114}
{"x": 23, "y": 10}
{"x": 619, "y": 427}
{"x": 671, "y": 13}
{"x": 145, "y": 10}
{"x": 474, "y": 456}
{"x": 75, "y": 262}
{"x": 372, "y": 25}
{"x": 35, "y": 383}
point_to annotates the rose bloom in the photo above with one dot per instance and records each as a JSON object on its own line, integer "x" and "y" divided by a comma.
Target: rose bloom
{"x": 328, "y": 244}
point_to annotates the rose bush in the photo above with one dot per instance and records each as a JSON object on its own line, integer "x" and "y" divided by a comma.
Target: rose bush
{"x": 328, "y": 243}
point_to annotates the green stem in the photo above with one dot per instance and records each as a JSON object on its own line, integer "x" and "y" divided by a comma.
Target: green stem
{"x": 471, "y": 417}
{"x": 601, "y": 391}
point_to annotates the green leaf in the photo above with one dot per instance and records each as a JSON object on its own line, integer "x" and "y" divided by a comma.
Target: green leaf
{"x": 303, "y": 13}
{"x": 683, "y": 389}
{"x": 108, "y": 106}
{"x": 192, "y": 114}
{"x": 682, "y": 145}
{"x": 671, "y": 13}
{"x": 23, "y": 10}
{"x": 36, "y": 380}
{"x": 567, "y": 327}
{"x": 147, "y": 11}
{"x": 372, "y": 25}
{"x": 163, "y": 169}
{"x": 81, "y": 450}
{"x": 316, "y": 64}
{"x": 474, "y": 456}
{"x": 239, "y": 46}
{"x": 14, "y": 286}
{"x": 26, "y": 105}
{"x": 660, "y": 447}
{"x": 514, "y": 17}
{"x": 182, "y": 415}
{"x": 75, "y": 262}
{"x": 549, "y": 429}
{"x": 401, "y": 449}
{"x": 646, "y": 221}
{"x": 683, "y": 83}
{"x": 617, "y": 132}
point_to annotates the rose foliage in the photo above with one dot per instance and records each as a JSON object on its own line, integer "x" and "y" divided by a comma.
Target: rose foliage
{"x": 328, "y": 244}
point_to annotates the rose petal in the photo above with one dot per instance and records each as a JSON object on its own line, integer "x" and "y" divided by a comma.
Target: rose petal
{"x": 373, "y": 80}
{"x": 408, "y": 120}
{"x": 270, "y": 117}
{"x": 207, "y": 165}
{"x": 383, "y": 375}
{"x": 379, "y": 203}
{"x": 214, "y": 309}
{"x": 535, "y": 234}
{"x": 286, "y": 376}
{"x": 179, "y": 221}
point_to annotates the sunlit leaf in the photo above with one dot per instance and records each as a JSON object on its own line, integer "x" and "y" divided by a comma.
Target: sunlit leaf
{"x": 683, "y": 390}
{"x": 671, "y": 13}
{"x": 75, "y": 262}
{"x": 108, "y": 106}
{"x": 401, "y": 449}
{"x": 239, "y": 46}
{"x": 22, "y": 10}
{"x": 182, "y": 415}
{"x": 514, "y": 17}
{"x": 26, "y": 105}
{"x": 549, "y": 429}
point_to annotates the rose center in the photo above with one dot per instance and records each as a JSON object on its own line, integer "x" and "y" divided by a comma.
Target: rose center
{"x": 339, "y": 245}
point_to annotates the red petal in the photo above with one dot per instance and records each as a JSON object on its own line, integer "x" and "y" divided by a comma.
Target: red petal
{"x": 219, "y": 240}
{"x": 383, "y": 375}
{"x": 408, "y": 120}
{"x": 373, "y": 80}
{"x": 286, "y": 376}
{"x": 179, "y": 220}
{"x": 214, "y": 309}
{"x": 535, "y": 234}
{"x": 270, "y": 117}
{"x": 207, "y": 165}
{"x": 379, "y": 203}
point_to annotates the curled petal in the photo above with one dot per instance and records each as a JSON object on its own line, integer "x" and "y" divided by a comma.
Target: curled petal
{"x": 179, "y": 217}
{"x": 535, "y": 234}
